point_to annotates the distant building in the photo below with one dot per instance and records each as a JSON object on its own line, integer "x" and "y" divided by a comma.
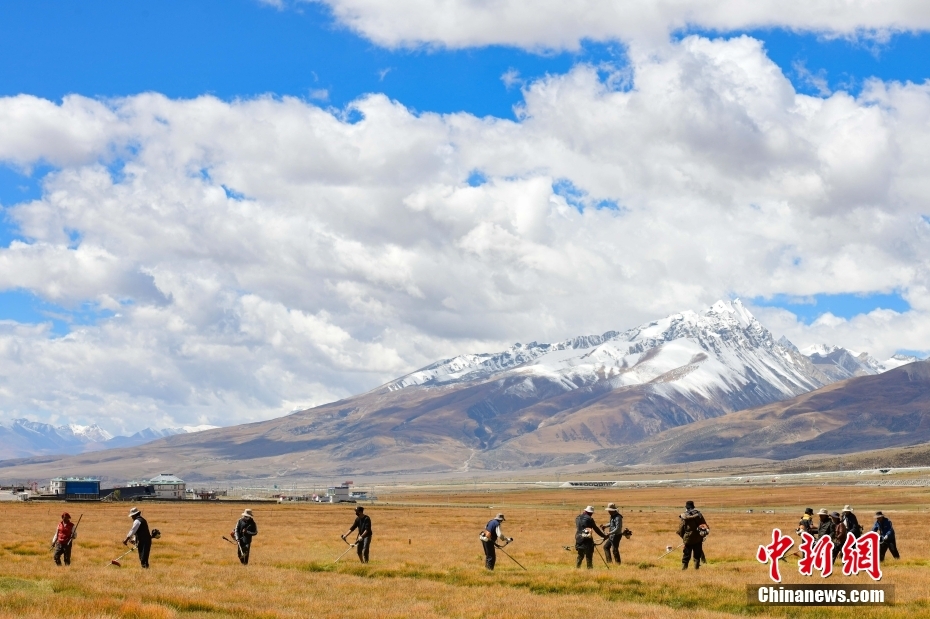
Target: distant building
{"x": 167, "y": 486}
{"x": 76, "y": 488}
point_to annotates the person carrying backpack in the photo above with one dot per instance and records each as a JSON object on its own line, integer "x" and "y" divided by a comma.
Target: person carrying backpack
{"x": 490, "y": 535}
{"x": 692, "y": 529}
{"x": 850, "y": 521}
{"x": 585, "y": 527}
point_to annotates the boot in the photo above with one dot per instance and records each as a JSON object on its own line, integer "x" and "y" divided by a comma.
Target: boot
{"x": 684, "y": 565}
{"x": 697, "y": 565}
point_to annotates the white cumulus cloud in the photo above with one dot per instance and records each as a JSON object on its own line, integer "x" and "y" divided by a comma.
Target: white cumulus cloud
{"x": 267, "y": 254}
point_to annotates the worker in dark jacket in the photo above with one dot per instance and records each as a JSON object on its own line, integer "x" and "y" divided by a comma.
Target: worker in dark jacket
{"x": 490, "y": 535}
{"x": 363, "y": 524}
{"x": 140, "y": 531}
{"x": 825, "y": 527}
{"x": 245, "y": 530}
{"x": 886, "y": 539}
{"x": 614, "y": 530}
{"x": 839, "y": 534}
{"x": 692, "y": 529}
{"x": 850, "y": 522}
{"x": 585, "y": 528}
{"x": 65, "y": 534}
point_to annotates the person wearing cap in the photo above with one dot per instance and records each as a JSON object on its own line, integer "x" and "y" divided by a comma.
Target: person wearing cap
{"x": 886, "y": 540}
{"x": 140, "y": 531}
{"x": 806, "y": 524}
{"x": 850, "y": 521}
{"x": 65, "y": 534}
{"x": 490, "y": 535}
{"x": 585, "y": 527}
{"x": 839, "y": 534}
{"x": 245, "y": 530}
{"x": 691, "y": 529}
{"x": 363, "y": 524}
{"x": 614, "y": 530}
{"x": 825, "y": 527}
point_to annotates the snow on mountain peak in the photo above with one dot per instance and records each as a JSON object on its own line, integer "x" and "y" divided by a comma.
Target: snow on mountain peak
{"x": 92, "y": 433}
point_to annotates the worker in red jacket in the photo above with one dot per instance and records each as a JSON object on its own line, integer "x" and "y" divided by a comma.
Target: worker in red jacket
{"x": 65, "y": 534}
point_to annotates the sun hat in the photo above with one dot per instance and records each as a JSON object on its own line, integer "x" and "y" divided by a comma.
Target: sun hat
{"x": 823, "y": 512}
{"x": 611, "y": 507}
{"x": 65, "y": 515}
{"x": 589, "y": 509}
{"x": 849, "y": 509}
{"x": 689, "y": 504}
{"x": 879, "y": 515}
{"x": 809, "y": 510}
{"x": 134, "y": 512}
{"x": 835, "y": 515}
{"x": 247, "y": 513}
{"x": 500, "y": 517}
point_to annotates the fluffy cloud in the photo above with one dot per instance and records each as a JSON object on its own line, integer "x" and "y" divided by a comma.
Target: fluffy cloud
{"x": 555, "y": 24}
{"x": 266, "y": 254}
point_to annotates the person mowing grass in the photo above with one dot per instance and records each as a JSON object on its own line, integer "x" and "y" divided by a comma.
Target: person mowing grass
{"x": 692, "y": 529}
{"x": 363, "y": 524}
{"x": 245, "y": 530}
{"x": 585, "y": 527}
{"x": 489, "y": 537}
{"x": 140, "y": 530}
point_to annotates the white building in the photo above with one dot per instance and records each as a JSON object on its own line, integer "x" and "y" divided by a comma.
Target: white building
{"x": 167, "y": 486}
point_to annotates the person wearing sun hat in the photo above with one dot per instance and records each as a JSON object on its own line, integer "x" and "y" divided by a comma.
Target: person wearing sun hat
{"x": 585, "y": 527}
{"x": 492, "y": 532}
{"x": 850, "y": 521}
{"x": 140, "y": 530}
{"x": 886, "y": 539}
{"x": 614, "y": 530}
{"x": 245, "y": 530}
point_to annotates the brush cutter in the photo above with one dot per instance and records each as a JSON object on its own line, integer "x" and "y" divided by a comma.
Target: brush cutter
{"x": 351, "y": 546}
{"x": 116, "y": 560}
{"x": 501, "y": 548}
{"x": 597, "y": 550}
{"x": 673, "y": 550}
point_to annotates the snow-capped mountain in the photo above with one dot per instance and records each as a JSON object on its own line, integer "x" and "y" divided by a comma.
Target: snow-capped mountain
{"x": 723, "y": 351}
{"x": 21, "y": 438}
{"x": 841, "y": 363}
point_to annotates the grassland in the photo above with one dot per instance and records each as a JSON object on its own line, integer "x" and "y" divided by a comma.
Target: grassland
{"x": 426, "y": 560}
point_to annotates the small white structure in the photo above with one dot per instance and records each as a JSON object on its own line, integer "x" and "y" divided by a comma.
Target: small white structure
{"x": 167, "y": 486}
{"x": 339, "y": 494}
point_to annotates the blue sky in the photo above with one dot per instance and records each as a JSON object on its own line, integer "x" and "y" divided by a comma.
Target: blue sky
{"x": 294, "y": 241}
{"x": 241, "y": 49}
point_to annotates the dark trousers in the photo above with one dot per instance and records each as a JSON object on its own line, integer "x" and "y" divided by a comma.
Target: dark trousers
{"x": 490, "y": 555}
{"x": 612, "y": 548}
{"x": 690, "y": 549}
{"x": 64, "y": 550}
{"x": 885, "y": 546}
{"x": 144, "y": 548}
{"x": 585, "y": 548}
{"x": 362, "y": 546}
{"x": 243, "y": 550}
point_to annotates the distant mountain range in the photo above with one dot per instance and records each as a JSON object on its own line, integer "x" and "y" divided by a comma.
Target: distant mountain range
{"x": 22, "y": 438}
{"x": 584, "y": 400}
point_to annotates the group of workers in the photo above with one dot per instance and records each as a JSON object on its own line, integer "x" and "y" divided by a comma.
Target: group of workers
{"x": 692, "y": 529}
{"x": 836, "y": 525}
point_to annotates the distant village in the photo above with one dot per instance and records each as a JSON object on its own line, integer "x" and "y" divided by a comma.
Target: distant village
{"x": 162, "y": 487}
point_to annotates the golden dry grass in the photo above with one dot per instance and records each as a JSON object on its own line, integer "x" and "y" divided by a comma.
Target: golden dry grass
{"x": 426, "y": 560}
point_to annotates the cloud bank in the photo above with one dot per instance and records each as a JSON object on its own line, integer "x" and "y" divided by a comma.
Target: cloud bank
{"x": 268, "y": 254}
{"x": 559, "y": 25}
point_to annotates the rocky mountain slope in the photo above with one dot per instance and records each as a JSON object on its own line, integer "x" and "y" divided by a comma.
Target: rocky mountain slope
{"x": 530, "y": 405}
{"x": 865, "y": 413}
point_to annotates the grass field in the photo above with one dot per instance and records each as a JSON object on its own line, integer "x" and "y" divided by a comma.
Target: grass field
{"x": 426, "y": 560}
